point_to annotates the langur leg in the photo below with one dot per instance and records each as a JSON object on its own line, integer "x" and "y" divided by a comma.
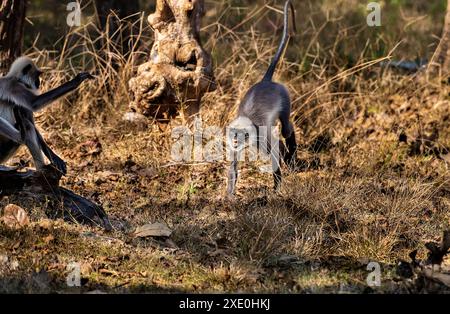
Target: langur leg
{"x": 10, "y": 140}
{"x": 26, "y": 124}
{"x": 276, "y": 164}
{"x": 283, "y": 150}
{"x": 277, "y": 179}
{"x": 35, "y": 149}
{"x": 32, "y": 142}
{"x": 9, "y": 131}
{"x": 291, "y": 155}
{"x": 287, "y": 130}
{"x": 270, "y": 145}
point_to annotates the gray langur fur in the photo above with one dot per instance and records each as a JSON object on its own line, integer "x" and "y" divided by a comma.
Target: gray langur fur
{"x": 264, "y": 104}
{"x": 19, "y": 99}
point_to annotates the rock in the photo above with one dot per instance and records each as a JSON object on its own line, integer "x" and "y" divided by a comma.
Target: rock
{"x": 153, "y": 230}
{"x": 15, "y": 217}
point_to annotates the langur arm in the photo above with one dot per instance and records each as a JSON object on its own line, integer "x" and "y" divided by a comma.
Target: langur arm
{"x": 44, "y": 99}
{"x": 31, "y": 141}
{"x": 9, "y": 131}
{"x": 54, "y": 159}
{"x": 232, "y": 177}
{"x": 28, "y": 131}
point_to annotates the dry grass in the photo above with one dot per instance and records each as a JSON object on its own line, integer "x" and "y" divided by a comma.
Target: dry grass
{"x": 363, "y": 196}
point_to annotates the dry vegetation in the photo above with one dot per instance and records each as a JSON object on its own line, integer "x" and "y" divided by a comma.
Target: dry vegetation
{"x": 374, "y": 145}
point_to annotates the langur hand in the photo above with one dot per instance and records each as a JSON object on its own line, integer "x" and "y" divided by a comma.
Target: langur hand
{"x": 83, "y": 76}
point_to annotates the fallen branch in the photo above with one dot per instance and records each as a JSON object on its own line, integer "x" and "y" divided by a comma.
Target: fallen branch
{"x": 430, "y": 270}
{"x": 44, "y": 185}
{"x": 436, "y": 275}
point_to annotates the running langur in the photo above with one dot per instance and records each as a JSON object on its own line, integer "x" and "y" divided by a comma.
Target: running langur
{"x": 262, "y": 106}
{"x": 19, "y": 99}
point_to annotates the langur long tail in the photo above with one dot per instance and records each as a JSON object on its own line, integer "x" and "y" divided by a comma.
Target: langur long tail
{"x": 270, "y": 71}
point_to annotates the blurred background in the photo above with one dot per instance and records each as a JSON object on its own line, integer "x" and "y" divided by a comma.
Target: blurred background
{"x": 329, "y": 31}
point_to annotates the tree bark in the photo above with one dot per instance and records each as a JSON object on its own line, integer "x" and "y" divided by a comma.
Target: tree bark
{"x": 12, "y": 21}
{"x": 179, "y": 71}
{"x": 44, "y": 187}
{"x": 440, "y": 62}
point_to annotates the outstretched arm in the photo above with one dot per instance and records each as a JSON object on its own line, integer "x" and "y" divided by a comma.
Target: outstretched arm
{"x": 46, "y": 98}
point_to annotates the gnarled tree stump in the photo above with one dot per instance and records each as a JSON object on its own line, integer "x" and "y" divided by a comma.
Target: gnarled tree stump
{"x": 179, "y": 71}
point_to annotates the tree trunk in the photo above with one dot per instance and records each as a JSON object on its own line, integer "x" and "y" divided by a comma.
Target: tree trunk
{"x": 179, "y": 71}
{"x": 12, "y": 21}
{"x": 114, "y": 18}
{"x": 440, "y": 62}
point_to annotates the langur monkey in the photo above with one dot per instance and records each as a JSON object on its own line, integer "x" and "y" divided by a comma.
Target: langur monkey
{"x": 19, "y": 99}
{"x": 262, "y": 106}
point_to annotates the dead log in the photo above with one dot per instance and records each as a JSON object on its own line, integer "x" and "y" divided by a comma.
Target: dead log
{"x": 433, "y": 269}
{"x": 431, "y": 273}
{"x": 179, "y": 71}
{"x": 44, "y": 186}
{"x": 435, "y": 274}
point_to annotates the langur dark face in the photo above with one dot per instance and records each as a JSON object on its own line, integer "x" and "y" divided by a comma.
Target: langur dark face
{"x": 31, "y": 76}
{"x": 239, "y": 133}
{"x": 239, "y": 138}
{"x": 37, "y": 80}
{"x": 35, "y": 74}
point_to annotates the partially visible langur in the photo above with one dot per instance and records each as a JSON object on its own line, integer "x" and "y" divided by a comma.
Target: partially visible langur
{"x": 19, "y": 99}
{"x": 264, "y": 104}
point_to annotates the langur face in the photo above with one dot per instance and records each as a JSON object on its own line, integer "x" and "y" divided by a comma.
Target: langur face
{"x": 31, "y": 76}
{"x": 37, "y": 80}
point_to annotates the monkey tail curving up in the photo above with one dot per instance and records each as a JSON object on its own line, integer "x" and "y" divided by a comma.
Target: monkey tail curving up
{"x": 269, "y": 74}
